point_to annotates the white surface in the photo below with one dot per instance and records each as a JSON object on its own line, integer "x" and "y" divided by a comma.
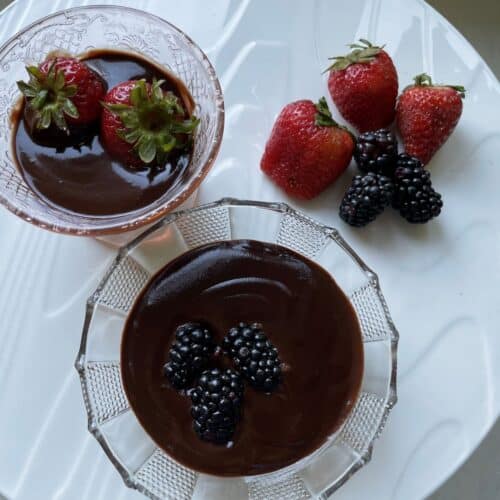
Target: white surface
{"x": 440, "y": 280}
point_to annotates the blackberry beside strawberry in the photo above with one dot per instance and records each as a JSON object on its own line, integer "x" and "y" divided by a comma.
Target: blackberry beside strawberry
{"x": 408, "y": 188}
{"x": 415, "y": 198}
{"x": 366, "y": 199}
{"x": 376, "y": 152}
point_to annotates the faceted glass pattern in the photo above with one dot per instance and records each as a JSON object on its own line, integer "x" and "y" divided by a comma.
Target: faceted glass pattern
{"x": 148, "y": 469}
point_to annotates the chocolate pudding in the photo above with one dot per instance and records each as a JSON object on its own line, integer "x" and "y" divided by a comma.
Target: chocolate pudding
{"x": 75, "y": 172}
{"x": 304, "y": 314}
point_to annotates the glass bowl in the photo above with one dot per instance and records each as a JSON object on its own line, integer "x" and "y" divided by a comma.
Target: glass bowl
{"x": 76, "y": 31}
{"x": 141, "y": 463}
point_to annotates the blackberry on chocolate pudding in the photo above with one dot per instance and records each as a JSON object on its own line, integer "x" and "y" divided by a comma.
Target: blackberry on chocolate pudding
{"x": 254, "y": 356}
{"x": 189, "y": 354}
{"x": 216, "y": 406}
{"x": 305, "y": 315}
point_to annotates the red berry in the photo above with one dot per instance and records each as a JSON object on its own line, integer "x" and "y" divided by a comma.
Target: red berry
{"x": 141, "y": 124}
{"x": 306, "y": 150}
{"x": 111, "y": 123}
{"x": 90, "y": 87}
{"x": 61, "y": 90}
{"x": 427, "y": 114}
{"x": 364, "y": 87}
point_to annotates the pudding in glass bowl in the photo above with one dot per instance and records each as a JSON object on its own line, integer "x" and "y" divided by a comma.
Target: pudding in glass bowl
{"x": 74, "y": 170}
{"x": 262, "y": 305}
{"x": 58, "y": 184}
{"x": 250, "y": 271}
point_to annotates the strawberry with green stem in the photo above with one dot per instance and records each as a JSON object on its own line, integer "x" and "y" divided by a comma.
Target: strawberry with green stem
{"x": 142, "y": 124}
{"x": 364, "y": 86}
{"x": 61, "y": 91}
{"x": 307, "y": 150}
{"x": 427, "y": 114}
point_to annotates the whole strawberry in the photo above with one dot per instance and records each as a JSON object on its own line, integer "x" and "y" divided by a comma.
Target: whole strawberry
{"x": 62, "y": 90}
{"x": 364, "y": 86}
{"x": 307, "y": 150}
{"x": 427, "y": 114}
{"x": 142, "y": 124}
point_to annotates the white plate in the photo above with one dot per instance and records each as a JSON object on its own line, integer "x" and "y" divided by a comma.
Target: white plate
{"x": 440, "y": 280}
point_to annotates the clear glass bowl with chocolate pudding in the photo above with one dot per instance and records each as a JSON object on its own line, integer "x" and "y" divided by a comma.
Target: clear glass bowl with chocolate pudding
{"x": 225, "y": 275}
{"x": 70, "y": 183}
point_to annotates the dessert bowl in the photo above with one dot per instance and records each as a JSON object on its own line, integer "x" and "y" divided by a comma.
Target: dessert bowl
{"x": 141, "y": 463}
{"x": 76, "y": 31}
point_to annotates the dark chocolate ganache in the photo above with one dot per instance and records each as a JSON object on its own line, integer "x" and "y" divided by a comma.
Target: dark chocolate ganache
{"x": 304, "y": 314}
{"x": 75, "y": 173}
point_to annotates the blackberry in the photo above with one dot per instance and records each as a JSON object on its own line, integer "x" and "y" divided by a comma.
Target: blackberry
{"x": 189, "y": 354}
{"x": 216, "y": 408}
{"x": 254, "y": 356}
{"x": 366, "y": 198}
{"x": 377, "y": 152}
{"x": 414, "y": 197}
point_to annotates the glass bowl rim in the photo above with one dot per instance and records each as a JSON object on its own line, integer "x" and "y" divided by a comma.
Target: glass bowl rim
{"x": 283, "y": 208}
{"x": 133, "y": 222}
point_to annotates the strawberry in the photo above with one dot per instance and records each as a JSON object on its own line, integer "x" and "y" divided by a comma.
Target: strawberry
{"x": 307, "y": 150}
{"x": 364, "y": 86}
{"x": 142, "y": 124}
{"x": 62, "y": 90}
{"x": 427, "y": 114}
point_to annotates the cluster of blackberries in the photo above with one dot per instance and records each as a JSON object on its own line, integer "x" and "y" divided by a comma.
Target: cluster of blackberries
{"x": 389, "y": 178}
{"x": 217, "y": 394}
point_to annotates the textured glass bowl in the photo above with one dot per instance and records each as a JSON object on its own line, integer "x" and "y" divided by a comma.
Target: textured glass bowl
{"x": 76, "y": 31}
{"x": 141, "y": 463}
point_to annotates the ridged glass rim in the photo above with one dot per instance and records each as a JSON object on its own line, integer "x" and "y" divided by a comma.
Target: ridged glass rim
{"x": 282, "y": 208}
{"x": 132, "y": 222}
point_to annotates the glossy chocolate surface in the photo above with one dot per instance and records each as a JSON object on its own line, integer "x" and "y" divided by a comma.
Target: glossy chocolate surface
{"x": 78, "y": 175}
{"x": 304, "y": 313}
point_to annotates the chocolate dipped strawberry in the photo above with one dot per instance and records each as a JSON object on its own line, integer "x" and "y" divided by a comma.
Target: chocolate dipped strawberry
{"x": 61, "y": 91}
{"x": 141, "y": 123}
